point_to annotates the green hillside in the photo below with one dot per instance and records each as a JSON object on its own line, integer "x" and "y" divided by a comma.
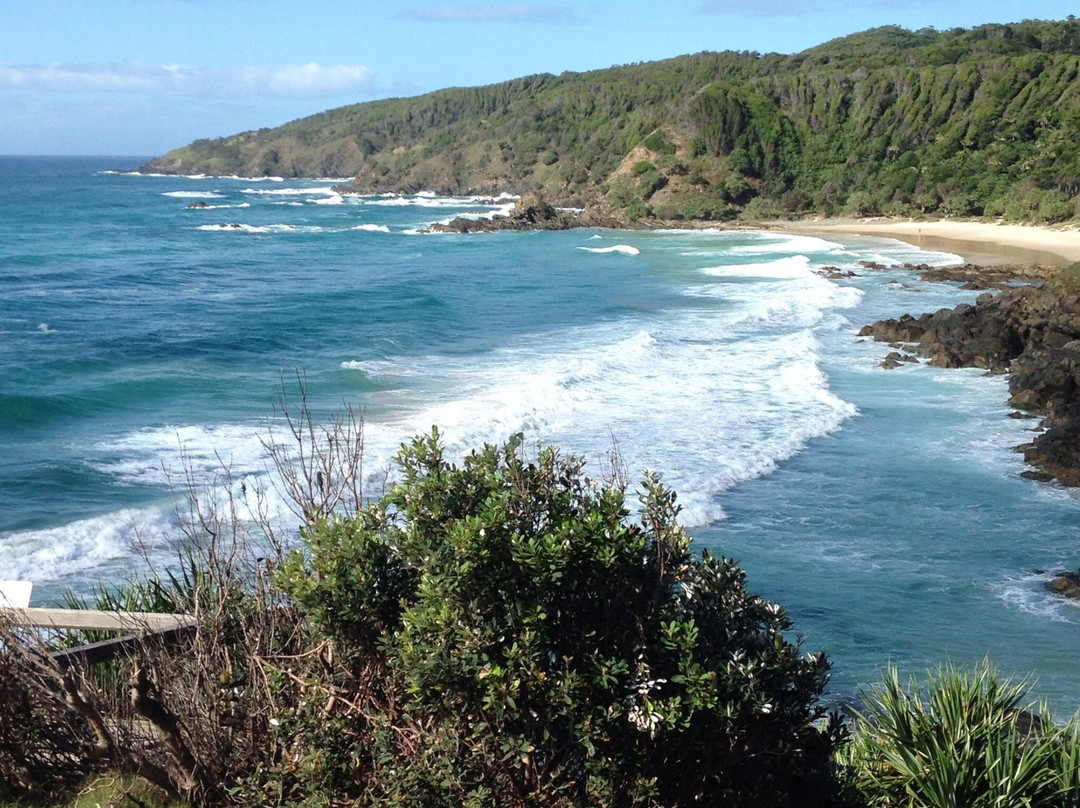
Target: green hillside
{"x": 962, "y": 122}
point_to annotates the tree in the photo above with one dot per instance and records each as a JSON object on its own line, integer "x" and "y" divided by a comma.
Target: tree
{"x": 537, "y": 648}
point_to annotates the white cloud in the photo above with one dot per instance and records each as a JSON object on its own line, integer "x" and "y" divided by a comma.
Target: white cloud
{"x": 513, "y": 12}
{"x": 767, "y": 8}
{"x": 309, "y": 80}
{"x": 799, "y": 8}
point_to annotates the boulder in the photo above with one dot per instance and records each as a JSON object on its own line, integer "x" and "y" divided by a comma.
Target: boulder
{"x": 1066, "y": 584}
{"x": 895, "y": 359}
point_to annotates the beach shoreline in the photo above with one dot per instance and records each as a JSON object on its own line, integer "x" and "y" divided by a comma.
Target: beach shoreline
{"x": 977, "y": 242}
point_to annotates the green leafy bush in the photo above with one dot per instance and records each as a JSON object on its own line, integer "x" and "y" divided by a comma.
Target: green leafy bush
{"x": 650, "y": 182}
{"x": 537, "y": 648}
{"x": 656, "y": 143}
{"x": 962, "y": 741}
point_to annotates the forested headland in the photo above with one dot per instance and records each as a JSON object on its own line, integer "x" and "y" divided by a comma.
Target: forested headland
{"x": 978, "y": 122}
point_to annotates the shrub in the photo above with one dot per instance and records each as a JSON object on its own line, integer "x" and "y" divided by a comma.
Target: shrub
{"x": 650, "y": 182}
{"x": 656, "y": 143}
{"x": 541, "y": 650}
{"x": 962, "y": 741}
{"x": 494, "y": 633}
{"x": 759, "y": 209}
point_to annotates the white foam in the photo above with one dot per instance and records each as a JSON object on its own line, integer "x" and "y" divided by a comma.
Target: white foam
{"x": 86, "y": 544}
{"x": 785, "y": 243}
{"x": 194, "y": 195}
{"x": 261, "y": 228}
{"x": 327, "y": 191}
{"x": 45, "y": 328}
{"x": 165, "y": 456}
{"x": 743, "y": 405}
{"x": 231, "y": 205}
{"x": 1029, "y": 594}
{"x": 372, "y": 228}
{"x": 622, "y": 249}
{"x": 427, "y": 199}
{"x": 795, "y": 266}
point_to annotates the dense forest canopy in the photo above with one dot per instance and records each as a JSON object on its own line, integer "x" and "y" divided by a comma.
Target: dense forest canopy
{"x": 959, "y": 122}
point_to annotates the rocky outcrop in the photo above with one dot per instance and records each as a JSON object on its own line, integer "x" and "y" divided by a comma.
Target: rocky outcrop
{"x": 530, "y": 213}
{"x": 1066, "y": 584}
{"x": 986, "y": 335}
{"x": 974, "y": 276}
{"x": 1032, "y": 332}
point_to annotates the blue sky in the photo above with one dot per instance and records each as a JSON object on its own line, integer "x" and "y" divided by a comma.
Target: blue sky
{"x": 139, "y": 77}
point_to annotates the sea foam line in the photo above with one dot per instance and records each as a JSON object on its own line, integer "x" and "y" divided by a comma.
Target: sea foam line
{"x": 622, "y": 249}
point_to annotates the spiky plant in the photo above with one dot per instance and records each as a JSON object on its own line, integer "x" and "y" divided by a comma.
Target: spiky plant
{"x": 962, "y": 740}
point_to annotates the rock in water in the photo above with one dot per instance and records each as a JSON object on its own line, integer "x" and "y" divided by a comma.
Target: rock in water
{"x": 530, "y": 213}
{"x": 1066, "y": 584}
{"x": 1033, "y": 333}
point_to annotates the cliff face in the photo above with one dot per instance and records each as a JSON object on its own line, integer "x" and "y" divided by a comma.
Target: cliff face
{"x": 1033, "y": 333}
{"x": 888, "y": 121}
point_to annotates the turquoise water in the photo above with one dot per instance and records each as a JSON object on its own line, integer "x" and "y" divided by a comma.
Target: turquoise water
{"x": 142, "y": 342}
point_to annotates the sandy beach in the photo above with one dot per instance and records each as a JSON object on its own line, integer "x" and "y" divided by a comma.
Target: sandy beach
{"x": 977, "y": 242}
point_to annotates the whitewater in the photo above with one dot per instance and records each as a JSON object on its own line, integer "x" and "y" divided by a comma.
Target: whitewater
{"x": 144, "y": 345}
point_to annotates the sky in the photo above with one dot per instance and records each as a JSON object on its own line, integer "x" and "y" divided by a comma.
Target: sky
{"x": 141, "y": 77}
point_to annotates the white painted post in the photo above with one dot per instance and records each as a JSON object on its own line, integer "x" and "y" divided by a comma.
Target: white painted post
{"x": 15, "y": 594}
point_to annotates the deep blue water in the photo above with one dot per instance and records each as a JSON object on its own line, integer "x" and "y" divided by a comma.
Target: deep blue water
{"x": 884, "y": 509}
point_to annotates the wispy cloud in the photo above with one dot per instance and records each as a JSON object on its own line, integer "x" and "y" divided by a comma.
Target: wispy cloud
{"x": 766, "y": 8}
{"x": 309, "y": 80}
{"x": 497, "y": 12}
{"x": 797, "y": 8}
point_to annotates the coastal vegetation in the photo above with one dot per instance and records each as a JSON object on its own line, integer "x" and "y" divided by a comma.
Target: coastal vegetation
{"x": 964, "y": 122}
{"x": 497, "y": 632}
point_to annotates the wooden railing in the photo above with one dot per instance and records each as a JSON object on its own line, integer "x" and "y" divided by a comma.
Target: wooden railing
{"x": 137, "y": 627}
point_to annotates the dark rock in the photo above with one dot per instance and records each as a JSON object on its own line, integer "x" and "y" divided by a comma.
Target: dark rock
{"x": 197, "y": 205}
{"x": 872, "y": 265}
{"x": 530, "y": 213}
{"x": 1030, "y": 331}
{"x": 834, "y": 273}
{"x": 895, "y": 359}
{"x": 1066, "y": 584}
{"x": 974, "y": 276}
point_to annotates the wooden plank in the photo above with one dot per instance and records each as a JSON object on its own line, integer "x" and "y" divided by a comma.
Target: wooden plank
{"x": 108, "y": 650}
{"x": 92, "y": 620}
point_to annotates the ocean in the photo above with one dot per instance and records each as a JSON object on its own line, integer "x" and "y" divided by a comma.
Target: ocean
{"x": 144, "y": 344}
